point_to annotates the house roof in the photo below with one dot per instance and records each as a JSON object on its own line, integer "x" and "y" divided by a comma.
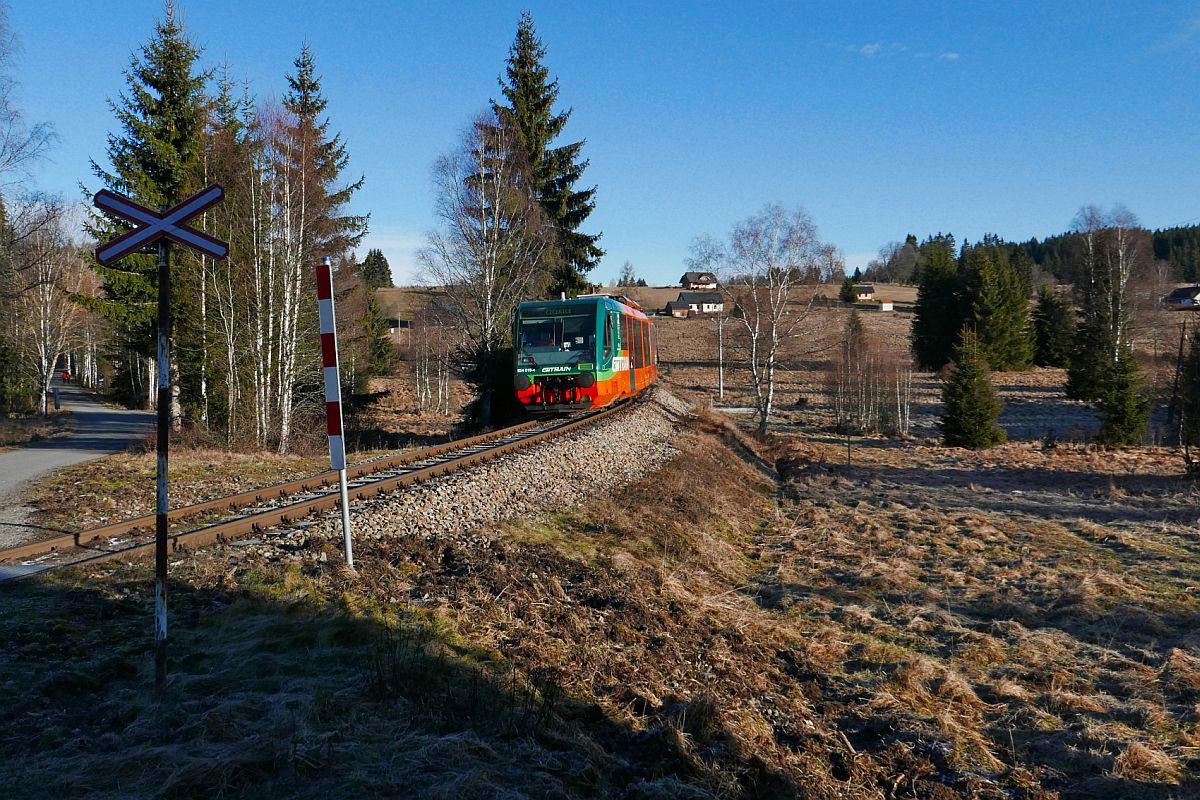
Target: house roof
{"x": 1184, "y": 293}
{"x": 698, "y": 277}
{"x": 696, "y": 298}
{"x": 864, "y": 287}
{"x": 677, "y": 305}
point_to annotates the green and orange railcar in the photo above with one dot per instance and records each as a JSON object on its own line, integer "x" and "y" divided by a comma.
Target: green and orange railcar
{"x": 583, "y": 353}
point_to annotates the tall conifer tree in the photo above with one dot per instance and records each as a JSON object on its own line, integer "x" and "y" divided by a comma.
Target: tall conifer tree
{"x": 1053, "y": 330}
{"x": 999, "y": 307}
{"x": 938, "y": 313}
{"x": 531, "y": 96}
{"x": 1189, "y": 412}
{"x": 331, "y": 232}
{"x": 375, "y": 271}
{"x": 1124, "y": 409}
{"x": 155, "y": 158}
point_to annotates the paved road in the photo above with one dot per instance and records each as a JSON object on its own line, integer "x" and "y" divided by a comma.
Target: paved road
{"x": 98, "y": 431}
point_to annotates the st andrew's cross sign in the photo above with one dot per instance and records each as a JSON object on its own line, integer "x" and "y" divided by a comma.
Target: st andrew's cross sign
{"x": 154, "y": 226}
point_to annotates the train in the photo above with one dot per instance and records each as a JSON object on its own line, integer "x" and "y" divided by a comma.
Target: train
{"x": 584, "y": 353}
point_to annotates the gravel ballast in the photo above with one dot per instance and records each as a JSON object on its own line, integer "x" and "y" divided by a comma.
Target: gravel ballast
{"x": 551, "y": 476}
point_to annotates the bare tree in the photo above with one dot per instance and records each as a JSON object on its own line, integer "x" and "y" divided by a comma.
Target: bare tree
{"x": 493, "y": 245}
{"x": 869, "y": 384}
{"x": 767, "y": 259}
{"x": 20, "y": 144}
{"x": 430, "y": 353}
{"x": 49, "y": 274}
{"x": 628, "y": 275}
{"x": 831, "y": 265}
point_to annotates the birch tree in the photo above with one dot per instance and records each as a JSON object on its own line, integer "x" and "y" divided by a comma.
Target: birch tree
{"x": 766, "y": 260}
{"x": 492, "y": 246}
{"x": 1112, "y": 248}
{"x": 49, "y": 316}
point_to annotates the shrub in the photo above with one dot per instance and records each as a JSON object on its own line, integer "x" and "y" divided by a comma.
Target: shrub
{"x": 846, "y": 294}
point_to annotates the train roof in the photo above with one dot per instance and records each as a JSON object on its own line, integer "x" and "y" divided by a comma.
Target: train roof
{"x": 623, "y": 302}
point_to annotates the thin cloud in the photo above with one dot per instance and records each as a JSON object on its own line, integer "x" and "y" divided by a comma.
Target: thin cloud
{"x": 880, "y": 50}
{"x": 1181, "y": 38}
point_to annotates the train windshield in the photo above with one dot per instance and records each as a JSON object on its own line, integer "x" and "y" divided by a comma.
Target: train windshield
{"x": 557, "y": 340}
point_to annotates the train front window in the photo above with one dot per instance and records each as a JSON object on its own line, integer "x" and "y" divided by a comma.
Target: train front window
{"x": 557, "y": 341}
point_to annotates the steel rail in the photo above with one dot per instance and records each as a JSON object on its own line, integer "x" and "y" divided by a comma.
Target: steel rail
{"x": 262, "y": 495}
{"x": 292, "y": 512}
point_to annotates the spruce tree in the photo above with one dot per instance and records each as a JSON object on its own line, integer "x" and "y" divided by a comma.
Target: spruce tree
{"x": 999, "y": 307}
{"x": 1092, "y": 344}
{"x": 972, "y": 406}
{"x": 1053, "y": 329}
{"x": 1087, "y": 359}
{"x": 1125, "y": 410}
{"x": 376, "y": 273}
{"x": 330, "y": 232}
{"x": 1189, "y": 390}
{"x": 530, "y": 111}
{"x": 846, "y": 293}
{"x": 938, "y": 313}
{"x": 155, "y": 160}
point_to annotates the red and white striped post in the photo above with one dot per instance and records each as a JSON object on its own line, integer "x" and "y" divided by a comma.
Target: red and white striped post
{"x": 333, "y": 392}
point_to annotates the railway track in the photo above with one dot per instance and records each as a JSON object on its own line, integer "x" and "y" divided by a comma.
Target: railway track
{"x": 260, "y": 509}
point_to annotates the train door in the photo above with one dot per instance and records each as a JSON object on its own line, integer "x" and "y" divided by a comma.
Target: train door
{"x": 627, "y": 343}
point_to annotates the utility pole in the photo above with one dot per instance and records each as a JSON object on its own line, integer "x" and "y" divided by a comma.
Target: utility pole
{"x": 720, "y": 356}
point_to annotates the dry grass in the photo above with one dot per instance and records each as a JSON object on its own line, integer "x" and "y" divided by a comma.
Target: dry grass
{"x": 1059, "y": 585}
{"x": 924, "y": 623}
{"x": 122, "y": 485}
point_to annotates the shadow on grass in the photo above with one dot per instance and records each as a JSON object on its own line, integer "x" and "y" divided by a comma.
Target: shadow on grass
{"x": 271, "y": 696}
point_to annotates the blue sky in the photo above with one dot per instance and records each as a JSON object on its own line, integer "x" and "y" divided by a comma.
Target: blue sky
{"x": 879, "y": 118}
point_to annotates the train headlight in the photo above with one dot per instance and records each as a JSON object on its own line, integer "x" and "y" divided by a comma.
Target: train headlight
{"x": 585, "y": 379}
{"x": 523, "y": 382}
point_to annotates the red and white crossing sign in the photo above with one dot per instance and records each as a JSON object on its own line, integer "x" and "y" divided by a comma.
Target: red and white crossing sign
{"x": 333, "y": 393}
{"x": 329, "y": 364}
{"x": 153, "y": 225}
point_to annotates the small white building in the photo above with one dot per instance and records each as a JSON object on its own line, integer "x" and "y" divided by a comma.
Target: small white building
{"x": 703, "y": 302}
{"x": 885, "y": 305}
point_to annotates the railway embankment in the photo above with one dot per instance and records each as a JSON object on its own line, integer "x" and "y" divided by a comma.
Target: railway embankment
{"x": 553, "y": 476}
